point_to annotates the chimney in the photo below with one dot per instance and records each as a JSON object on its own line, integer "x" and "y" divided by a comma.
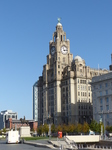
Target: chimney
{"x": 111, "y": 64}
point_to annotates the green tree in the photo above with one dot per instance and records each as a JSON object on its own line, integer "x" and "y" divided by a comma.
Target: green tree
{"x": 71, "y": 128}
{"x": 64, "y": 128}
{"x": 45, "y": 128}
{"x": 40, "y": 130}
{"x": 85, "y": 127}
{"x": 79, "y": 128}
{"x": 108, "y": 128}
{"x": 59, "y": 128}
{"x": 94, "y": 126}
{"x": 53, "y": 128}
{"x": 4, "y": 130}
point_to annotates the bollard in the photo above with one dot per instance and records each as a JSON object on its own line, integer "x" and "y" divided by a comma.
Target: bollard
{"x": 22, "y": 141}
{"x": 61, "y": 146}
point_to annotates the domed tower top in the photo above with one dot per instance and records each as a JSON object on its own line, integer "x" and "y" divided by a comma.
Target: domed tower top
{"x": 59, "y": 25}
{"x": 78, "y": 58}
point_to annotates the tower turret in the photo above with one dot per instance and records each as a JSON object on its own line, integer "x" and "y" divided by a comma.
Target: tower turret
{"x": 111, "y": 63}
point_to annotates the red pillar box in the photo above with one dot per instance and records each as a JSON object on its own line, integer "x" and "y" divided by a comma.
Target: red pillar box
{"x": 59, "y": 134}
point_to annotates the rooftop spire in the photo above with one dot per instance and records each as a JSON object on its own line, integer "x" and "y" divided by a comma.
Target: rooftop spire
{"x": 59, "y": 24}
{"x": 59, "y": 19}
{"x": 111, "y": 59}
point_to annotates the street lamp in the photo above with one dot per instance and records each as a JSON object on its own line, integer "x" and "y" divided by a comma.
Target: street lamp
{"x": 49, "y": 119}
{"x": 101, "y": 126}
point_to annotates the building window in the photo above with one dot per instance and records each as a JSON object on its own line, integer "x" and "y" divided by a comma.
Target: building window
{"x": 13, "y": 116}
{"x": 101, "y": 108}
{"x": 100, "y": 93}
{"x": 58, "y": 66}
{"x": 89, "y": 94}
{"x": 63, "y": 59}
{"x": 89, "y": 88}
{"x": 101, "y": 101}
{"x": 78, "y": 87}
{"x": 78, "y": 93}
{"x": 106, "y": 92}
{"x": 100, "y": 86}
{"x": 107, "y": 116}
{"x": 83, "y": 93}
{"x": 63, "y": 89}
{"x": 107, "y": 100}
{"x": 107, "y": 107}
{"x": 66, "y": 82}
{"x": 106, "y": 84}
{"x": 83, "y": 88}
{"x": 58, "y": 58}
{"x": 58, "y": 72}
{"x": 61, "y": 37}
{"x": 80, "y": 70}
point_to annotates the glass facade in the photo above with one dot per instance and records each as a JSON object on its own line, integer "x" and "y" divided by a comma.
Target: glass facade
{"x": 35, "y": 102}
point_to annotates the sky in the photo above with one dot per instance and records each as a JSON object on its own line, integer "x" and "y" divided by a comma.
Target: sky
{"x": 26, "y": 28}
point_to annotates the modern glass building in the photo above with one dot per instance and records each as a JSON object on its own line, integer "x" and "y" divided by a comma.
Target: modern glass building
{"x": 35, "y": 102}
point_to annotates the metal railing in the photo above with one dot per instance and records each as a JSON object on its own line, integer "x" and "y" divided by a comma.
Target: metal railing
{"x": 70, "y": 143}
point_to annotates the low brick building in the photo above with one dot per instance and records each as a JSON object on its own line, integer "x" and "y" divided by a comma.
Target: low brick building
{"x": 12, "y": 124}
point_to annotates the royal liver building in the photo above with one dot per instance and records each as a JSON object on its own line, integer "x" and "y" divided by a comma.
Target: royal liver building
{"x": 64, "y": 92}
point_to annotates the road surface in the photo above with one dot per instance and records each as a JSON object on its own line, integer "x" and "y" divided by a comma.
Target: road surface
{"x": 4, "y": 146}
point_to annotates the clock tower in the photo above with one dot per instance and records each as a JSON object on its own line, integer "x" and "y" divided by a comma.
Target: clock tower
{"x": 59, "y": 57}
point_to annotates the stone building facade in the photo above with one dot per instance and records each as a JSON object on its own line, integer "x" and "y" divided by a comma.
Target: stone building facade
{"x": 102, "y": 98}
{"x": 64, "y": 90}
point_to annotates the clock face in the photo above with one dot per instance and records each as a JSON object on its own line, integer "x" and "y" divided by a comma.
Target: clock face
{"x": 52, "y": 50}
{"x": 64, "y": 50}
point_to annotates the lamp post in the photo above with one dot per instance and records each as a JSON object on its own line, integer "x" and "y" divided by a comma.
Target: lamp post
{"x": 49, "y": 119}
{"x": 101, "y": 127}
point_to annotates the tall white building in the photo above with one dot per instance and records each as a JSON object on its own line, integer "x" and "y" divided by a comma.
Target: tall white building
{"x": 35, "y": 102}
{"x": 64, "y": 92}
{"x": 102, "y": 98}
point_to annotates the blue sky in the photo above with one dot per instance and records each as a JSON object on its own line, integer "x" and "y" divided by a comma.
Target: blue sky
{"x": 26, "y": 27}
